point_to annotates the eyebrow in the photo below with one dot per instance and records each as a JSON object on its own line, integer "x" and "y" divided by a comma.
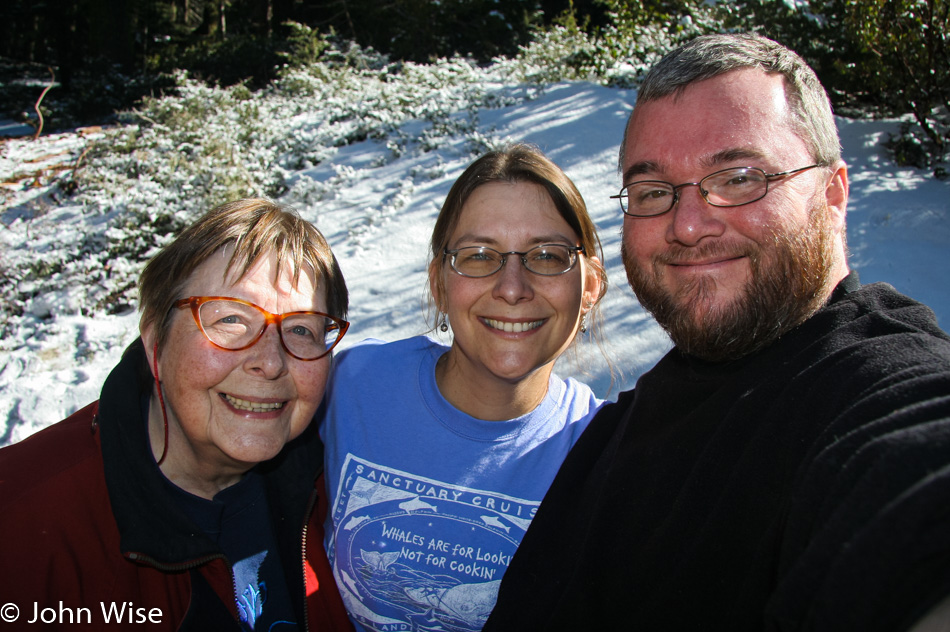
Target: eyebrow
{"x": 641, "y": 168}
{"x": 553, "y": 238}
{"x": 732, "y": 155}
{"x": 718, "y": 159}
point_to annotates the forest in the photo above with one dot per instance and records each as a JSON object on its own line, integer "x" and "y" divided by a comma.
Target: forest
{"x": 107, "y": 54}
{"x": 877, "y": 57}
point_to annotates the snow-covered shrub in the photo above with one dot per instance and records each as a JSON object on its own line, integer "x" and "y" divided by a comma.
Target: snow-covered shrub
{"x": 177, "y": 156}
{"x": 561, "y": 53}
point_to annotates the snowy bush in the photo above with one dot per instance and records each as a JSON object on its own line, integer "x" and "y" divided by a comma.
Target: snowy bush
{"x": 177, "y": 156}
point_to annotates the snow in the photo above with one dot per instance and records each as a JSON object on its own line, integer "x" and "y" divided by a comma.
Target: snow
{"x": 376, "y": 204}
{"x": 12, "y": 128}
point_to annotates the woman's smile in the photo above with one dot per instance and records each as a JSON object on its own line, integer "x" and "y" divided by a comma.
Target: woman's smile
{"x": 251, "y": 406}
{"x": 509, "y": 326}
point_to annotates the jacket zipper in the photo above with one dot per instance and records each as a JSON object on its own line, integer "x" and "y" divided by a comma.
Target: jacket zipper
{"x": 303, "y": 563}
{"x": 140, "y": 557}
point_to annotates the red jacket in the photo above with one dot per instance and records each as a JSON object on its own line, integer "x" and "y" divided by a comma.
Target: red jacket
{"x": 87, "y": 528}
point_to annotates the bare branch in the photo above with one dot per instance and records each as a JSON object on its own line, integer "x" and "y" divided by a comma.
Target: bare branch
{"x": 36, "y": 106}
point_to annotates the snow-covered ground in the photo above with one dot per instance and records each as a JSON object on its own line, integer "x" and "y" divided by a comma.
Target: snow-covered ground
{"x": 379, "y": 223}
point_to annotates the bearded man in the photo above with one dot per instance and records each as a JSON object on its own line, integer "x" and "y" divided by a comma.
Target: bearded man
{"x": 787, "y": 465}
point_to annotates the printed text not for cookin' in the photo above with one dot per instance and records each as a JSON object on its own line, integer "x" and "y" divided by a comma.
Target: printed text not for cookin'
{"x": 121, "y": 612}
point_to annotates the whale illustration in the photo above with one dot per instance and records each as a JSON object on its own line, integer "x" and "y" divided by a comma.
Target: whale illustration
{"x": 471, "y": 603}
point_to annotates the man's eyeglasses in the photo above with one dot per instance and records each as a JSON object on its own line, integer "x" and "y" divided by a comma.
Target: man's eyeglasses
{"x": 233, "y": 325}
{"x": 481, "y": 261}
{"x": 729, "y": 187}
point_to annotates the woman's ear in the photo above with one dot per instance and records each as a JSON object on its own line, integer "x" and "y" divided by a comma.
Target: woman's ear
{"x": 593, "y": 284}
{"x": 150, "y": 340}
{"x": 435, "y": 282}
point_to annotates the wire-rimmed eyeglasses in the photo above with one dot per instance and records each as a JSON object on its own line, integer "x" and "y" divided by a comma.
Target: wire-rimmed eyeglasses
{"x": 736, "y": 186}
{"x": 482, "y": 261}
{"x": 233, "y": 324}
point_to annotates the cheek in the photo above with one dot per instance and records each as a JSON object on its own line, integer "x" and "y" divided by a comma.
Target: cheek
{"x": 194, "y": 367}
{"x": 642, "y": 237}
{"x": 575, "y": 297}
{"x": 311, "y": 382}
{"x": 756, "y": 224}
{"x": 459, "y": 293}
{"x": 785, "y": 213}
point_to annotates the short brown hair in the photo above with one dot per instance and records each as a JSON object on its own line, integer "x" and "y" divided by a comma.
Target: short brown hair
{"x": 255, "y": 228}
{"x": 709, "y": 56}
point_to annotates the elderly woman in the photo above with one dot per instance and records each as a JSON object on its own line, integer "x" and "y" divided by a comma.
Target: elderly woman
{"x": 438, "y": 456}
{"x": 186, "y": 496}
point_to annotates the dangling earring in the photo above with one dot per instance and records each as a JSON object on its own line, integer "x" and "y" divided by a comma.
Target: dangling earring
{"x": 584, "y": 324}
{"x": 444, "y": 325}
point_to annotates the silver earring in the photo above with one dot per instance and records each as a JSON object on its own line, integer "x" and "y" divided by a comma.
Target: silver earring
{"x": 584, "y": 324}
{"x": 444, "y": 325}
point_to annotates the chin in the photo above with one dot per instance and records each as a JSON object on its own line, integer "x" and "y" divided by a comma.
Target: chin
{"x": 258, "y": 450}
{"x": 521, "y": 372}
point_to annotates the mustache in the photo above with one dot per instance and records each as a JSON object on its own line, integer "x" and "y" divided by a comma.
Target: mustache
{"x": 679, "y": 254}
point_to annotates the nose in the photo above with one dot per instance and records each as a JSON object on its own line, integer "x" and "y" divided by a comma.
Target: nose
{"x": 512, "y": 284}
{"x": 267, "y": 358}
{"x": 692, "y": 218}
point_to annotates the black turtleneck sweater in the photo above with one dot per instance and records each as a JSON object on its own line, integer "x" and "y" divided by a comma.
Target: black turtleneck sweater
{"x": 805, "y": 487}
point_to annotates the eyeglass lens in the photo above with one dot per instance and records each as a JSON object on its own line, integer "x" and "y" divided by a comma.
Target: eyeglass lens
{"x": 731, "y": 187}
{"x": 547, "y": 260}
{"x": 233, "y": 325}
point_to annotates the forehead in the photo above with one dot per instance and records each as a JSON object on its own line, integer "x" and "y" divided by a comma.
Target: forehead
{"x": 510, "y": 210}
{"x": 264, "y": 282}
{"x": 739, "y": 118}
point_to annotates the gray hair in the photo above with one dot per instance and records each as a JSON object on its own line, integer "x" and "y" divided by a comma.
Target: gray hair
{"x": 709, "y": 56}
{"x": 256, "y": 228}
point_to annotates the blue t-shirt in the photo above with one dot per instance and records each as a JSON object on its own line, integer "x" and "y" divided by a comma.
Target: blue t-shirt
{"x": 428, "y": 504}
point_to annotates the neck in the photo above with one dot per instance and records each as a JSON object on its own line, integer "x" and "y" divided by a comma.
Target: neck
{"x": 182, "y": 466}
{"x": 840, "y": 272}
{"x": 490, "y": 398}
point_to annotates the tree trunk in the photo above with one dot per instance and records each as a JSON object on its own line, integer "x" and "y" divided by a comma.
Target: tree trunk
{"x": 222, "y": 22}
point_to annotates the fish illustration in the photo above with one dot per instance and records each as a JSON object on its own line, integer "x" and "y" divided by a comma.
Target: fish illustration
{"x": 493, "y": 521}
{"x": 416, "y": 505}
{"x": 355, "y": 521}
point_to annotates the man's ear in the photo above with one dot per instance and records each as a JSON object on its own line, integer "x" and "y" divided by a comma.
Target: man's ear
{"x": 836, "y": 194}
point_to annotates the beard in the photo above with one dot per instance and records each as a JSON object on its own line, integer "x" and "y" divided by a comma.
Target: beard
{"x": 791, "y": 277}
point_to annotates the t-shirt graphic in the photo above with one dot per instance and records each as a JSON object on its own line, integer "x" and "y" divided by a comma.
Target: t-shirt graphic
{"x": 249, "y": 590}
{"x": 414, "y": 553}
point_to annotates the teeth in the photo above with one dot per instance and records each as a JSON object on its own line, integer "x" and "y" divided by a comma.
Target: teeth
{"x": 513, "y": 327}
{"x": 253, "y": 407}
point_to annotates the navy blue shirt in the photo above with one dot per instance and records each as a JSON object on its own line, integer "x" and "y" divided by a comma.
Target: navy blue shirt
{"x": 237, "y": 520}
